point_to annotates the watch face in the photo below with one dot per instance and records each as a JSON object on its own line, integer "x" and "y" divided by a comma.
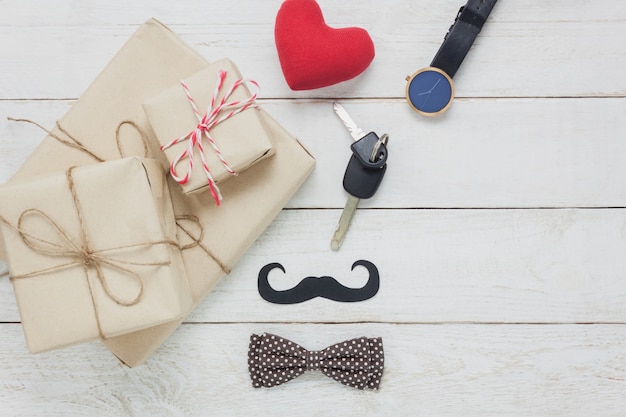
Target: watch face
{"x": 430, "y": 91}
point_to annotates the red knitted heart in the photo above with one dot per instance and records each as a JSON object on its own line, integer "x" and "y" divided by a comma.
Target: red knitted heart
{"x": 314, "y": 55}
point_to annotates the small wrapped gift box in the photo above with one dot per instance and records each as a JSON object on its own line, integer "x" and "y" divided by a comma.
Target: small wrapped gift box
{"x": 92, "y": 252}
{"x": 209, "y": 127}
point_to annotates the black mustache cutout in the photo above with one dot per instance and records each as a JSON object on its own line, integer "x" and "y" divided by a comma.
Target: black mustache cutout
{"x": 326, "y": 287}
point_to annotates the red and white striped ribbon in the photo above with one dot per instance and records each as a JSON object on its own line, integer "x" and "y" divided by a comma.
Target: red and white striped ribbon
{"x": 213, "y": 116}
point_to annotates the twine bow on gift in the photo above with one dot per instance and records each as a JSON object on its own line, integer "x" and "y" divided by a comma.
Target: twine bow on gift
{"x": 213, "y": 116}
{"x": 80, "y": 253}
{"x": 273, "y": 360}
{"x": 190, "y": 225}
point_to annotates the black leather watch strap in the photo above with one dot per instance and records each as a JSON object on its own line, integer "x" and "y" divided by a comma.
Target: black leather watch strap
{"x": 461, "y": 35}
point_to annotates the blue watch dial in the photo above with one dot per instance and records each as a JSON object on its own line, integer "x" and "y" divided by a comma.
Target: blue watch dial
{"x": 430, "y": 91}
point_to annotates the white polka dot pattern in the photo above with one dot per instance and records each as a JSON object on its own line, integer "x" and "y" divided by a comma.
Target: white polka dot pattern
{"x": 273, "y": 360}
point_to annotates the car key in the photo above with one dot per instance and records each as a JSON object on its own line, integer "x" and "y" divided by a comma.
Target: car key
{"x": 364, "y": 173}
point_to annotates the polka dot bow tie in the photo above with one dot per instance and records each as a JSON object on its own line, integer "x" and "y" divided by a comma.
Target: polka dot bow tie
{"x": 273, "y": 360}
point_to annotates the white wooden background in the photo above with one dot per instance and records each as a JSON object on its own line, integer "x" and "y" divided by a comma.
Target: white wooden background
{"x": 499, "y": 230}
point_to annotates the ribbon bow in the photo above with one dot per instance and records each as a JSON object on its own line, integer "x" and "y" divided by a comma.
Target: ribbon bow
{"x": 205, "y": 123}
{"x": 79, "y": 253}
{"x": 273, "y": 360}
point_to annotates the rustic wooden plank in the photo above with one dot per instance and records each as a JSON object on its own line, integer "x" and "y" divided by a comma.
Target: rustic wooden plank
{"x": 526, "y": 50}
{"x": 25, "y": 13}
{"x": 483, "y": 153}
{"x": 487, "y": 266}
{"x": 442, "y": 370}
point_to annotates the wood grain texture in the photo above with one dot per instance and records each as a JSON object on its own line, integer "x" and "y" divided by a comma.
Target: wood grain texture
{"x": 526, "y": 50}
{"x": 536, "y": 153}
{"x": 499, "y": 231}
{"x": 482, "y": 266}
{"x": 443, "y": 370}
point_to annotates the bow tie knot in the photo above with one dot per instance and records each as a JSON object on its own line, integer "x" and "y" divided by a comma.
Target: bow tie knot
{"x": 313, "y": 360}
{"x": 273, "y": 360}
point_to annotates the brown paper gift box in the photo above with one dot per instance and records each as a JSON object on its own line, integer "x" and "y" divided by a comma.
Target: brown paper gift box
{"x": 93, "y": 253}
{"x": 153, "y": 59}
{"x": 241, "y": 139}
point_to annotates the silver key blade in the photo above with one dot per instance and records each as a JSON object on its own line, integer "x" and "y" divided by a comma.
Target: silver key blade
{"x": 355, "y": 131}
{"x": 344, "y": 222}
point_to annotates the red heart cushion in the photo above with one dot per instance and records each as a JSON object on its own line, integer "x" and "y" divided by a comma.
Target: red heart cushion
{"x": 314, "y": 55}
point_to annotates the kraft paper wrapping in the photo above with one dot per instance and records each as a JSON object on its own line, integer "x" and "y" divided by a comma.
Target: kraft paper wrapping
{"x": 241, "y": 139}
{"x": 93, "y": 253}
{"x": 152, "y": 60}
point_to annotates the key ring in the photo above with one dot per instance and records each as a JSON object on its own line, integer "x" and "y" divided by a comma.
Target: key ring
{"x": 384, "y": 139}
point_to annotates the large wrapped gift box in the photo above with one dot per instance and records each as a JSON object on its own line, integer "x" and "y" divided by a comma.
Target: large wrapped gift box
{"x": 93, "y": 252}
{"x": 234, "y": 139}
{"x": 213, "y": 238}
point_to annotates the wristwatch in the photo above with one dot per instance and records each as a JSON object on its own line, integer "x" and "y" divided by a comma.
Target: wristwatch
{"x": 430, "y": 90}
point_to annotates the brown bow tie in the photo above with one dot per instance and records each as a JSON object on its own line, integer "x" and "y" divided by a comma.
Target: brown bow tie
{"x": 273, "y": 360}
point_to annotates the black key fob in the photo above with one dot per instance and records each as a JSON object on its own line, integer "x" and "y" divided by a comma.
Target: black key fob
{"x": 360, "y": 180}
